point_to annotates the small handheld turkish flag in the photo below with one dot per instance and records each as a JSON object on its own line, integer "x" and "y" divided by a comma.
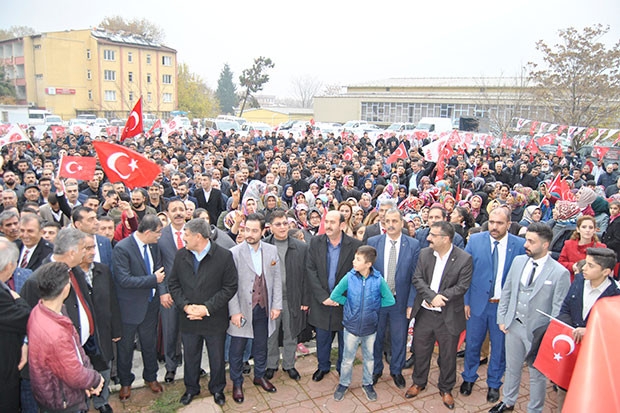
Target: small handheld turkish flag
{"x": 78, "y": 167}
{"x": 399, "y": 153}
{"x": 348, "y": 154}
{"x": 121, "y": 164}
{"x": 134, "y": 125}
{"x": 557, "y": 354}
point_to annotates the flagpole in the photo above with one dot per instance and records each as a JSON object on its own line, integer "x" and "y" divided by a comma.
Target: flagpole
{"x": 555, "y": 319}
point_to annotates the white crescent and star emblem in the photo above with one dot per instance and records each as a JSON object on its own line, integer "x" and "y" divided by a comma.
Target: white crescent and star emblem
{"x": 133, "y": 125}
{"x": 562, "y": 337}
{"x": 133, "y": 164}
{"x": 70, "y": 170}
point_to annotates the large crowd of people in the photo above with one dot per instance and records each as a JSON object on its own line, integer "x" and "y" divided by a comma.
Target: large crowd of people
{"x": 254, "y": 245}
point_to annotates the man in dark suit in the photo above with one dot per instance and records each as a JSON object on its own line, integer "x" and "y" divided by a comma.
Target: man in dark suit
{"x": 436, "y": 214}
{"x": 292, "y": 253}
{"x": 33, "y": 248}
{"x": 210, "y": 198}
{"x": 397, "y": 257}
{"x": 138, "y": 274}
{"x": 441, "y": 278}
{"x": 330, "y": 257}
{"x": 534, "y": 282}
{"x": 170, "y": 242}
{"x": 14, "y": 312}
{"x": 378, "y": 228}
{"x": 106, "y": 312}
{"x": 492, "y": 252}
{"x": 85, "y": 219}
{"x": 202, "y": 281}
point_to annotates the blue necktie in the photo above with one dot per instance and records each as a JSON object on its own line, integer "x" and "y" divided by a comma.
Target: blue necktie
{"x": 147, "y": 264}
{"x": 495, "y": 257}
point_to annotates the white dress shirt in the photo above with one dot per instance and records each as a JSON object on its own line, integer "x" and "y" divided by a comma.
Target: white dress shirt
{"x": 440, "y": 266}
{"x": 590, "y": 295}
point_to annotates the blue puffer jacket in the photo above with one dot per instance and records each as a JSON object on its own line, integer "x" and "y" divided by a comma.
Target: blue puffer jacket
{"x": 361, "y": 311}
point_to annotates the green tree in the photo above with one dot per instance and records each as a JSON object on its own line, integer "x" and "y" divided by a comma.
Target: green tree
{"x": 254, "y": 78}
{"x": 140, "y": 27}
{"x": 16, "y": 31}
{"x": 195, "y": 97}
{"x": 579, "y": 81}
{"x": 227, "y": 91}
{"x": 7, "y": 90}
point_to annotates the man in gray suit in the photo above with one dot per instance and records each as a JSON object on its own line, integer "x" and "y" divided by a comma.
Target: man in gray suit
{"x": 258, "y": 301}
{"x": 535, "y": 282}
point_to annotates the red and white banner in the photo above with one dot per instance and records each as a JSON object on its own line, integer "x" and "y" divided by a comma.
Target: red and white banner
{"x": 78, "y": 167}
{"x": 14, "y": 134}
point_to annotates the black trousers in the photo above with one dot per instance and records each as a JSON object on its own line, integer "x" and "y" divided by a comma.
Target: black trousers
{"x": 430, "y": 327}
{"x": 192, "y": 346}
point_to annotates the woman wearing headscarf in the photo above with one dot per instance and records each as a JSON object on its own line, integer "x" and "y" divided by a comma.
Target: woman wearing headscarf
{"x": 477, "y": 211}
{"x": 564, "y": 222}
{"x": 585, "y": 197}
{"x": 287, "y": 195}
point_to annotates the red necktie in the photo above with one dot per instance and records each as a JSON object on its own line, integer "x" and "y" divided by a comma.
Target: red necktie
{"x": 24, "y": 262}
{"x": 11, "y": 283}
{"x": 179, "y": 240}
{"x": 78, "y": 293}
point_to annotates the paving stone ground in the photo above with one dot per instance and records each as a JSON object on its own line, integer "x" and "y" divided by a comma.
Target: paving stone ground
{"x": 308, "y": 396}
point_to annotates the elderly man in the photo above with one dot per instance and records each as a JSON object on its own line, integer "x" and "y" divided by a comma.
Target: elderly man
{"x": 202, "y": 281}
{"x": 9, "y": 224}
{"x": 33, "y": 248}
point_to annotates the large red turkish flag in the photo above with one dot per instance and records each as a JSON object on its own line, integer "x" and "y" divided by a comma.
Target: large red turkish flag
{"x": 557, "y": 354}
{"x": 121, "y": 164}
{"x": 78, "y": 167}
{"x": 348, "y": 154}
{"x": 134, "y": 125}
{"x": 399, "y": 153}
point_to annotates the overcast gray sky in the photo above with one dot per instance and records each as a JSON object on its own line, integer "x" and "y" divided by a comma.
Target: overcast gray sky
{"x": 339, "y": 42}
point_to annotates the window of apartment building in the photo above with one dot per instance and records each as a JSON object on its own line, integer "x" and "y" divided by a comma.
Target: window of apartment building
{"x": 110, "y": 114}
{"x": 131, "y": 96}
{"x": 166, "y": 60}
{"x": 148, "y": 78}
{"x": 148, "y": 59}
{"x": 37, "y": 47}
{"x": 90, "y": 95}
{"x": 109, "y": 75}
{"x": 130, "y": 76}
{"x": 166, "y": 79}
{"x": 39, "y": 76}
{"x": 89, "y": 75}
{"x": 167, "y": 97}
{"x": 109, "y": 55}
{"x": 88, "y": 54}
{"x": 149, "y": 97}
{"x": 110, "y": 95}
{"x": 129, "y": 57}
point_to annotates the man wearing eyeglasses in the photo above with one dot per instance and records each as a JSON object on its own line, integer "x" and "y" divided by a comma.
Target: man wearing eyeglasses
{"x": 441, "y": 278}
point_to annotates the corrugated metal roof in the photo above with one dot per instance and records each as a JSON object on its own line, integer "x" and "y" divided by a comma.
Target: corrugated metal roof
{"x": 284, "y": 110}
{"x": 126, "y": 38}
{"x": 442, "y": 82}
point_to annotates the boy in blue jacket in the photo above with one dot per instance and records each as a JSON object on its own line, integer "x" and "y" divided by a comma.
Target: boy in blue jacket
{"x": 366, "y": 292}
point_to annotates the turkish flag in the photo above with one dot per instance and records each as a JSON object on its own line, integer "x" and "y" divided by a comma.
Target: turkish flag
{"x": 596, "y": 378}
{"x": 445, "y": 155}
{"x": 601, "y": 151}
{"x": 125, "y": 165}
{"x": 559, "y": 152}
{"x": 588, "y": 133}
{"x": 14, "y": 134}
{"x": 321, "y": 229}
{"x": 156, "y": 125}
{"x": 561, "y": 187}
{"x": 312, "y": 122}
{"x": 134, "y": 124}
{"x": 399, "y": 153}
{"x": 562, "y": 128}
{"x": 78, "y": 167}
{"x": 545, "y": 140}
{"x": 348, "y": 154}
{"x": 557, "y": 354}
{"x": 534, "y": 127}
{"x": 57, "y": 130}
{"x": 533, "y": 148}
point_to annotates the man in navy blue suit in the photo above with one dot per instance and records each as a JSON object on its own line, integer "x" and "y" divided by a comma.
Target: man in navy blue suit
{"x": 85, "y": 219}
{"x": 138, "y": 274}
{"x": 492, "y": 252}
{"x": 397, "y": 257}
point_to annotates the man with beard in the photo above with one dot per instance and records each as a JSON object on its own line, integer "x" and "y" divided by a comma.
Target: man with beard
{"x": 138, "y": 204}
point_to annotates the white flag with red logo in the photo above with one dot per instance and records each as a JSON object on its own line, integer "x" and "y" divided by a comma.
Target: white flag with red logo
{"x": 432, "y": 150}
{"x": 134, "y": 125}
{"x": 14, "y": 134}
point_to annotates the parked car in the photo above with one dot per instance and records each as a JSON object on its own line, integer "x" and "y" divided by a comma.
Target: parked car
{"x": 251, "y": 127}
{"x": 400, "y": 127}
{"x": 220, "y": 124}
{"x": 53, "y": 120}
{"x": 102, "y": 122}
{"x": 352, "y": 124}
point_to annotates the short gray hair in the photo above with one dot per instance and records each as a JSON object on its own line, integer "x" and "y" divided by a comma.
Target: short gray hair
{"x": 199, "y": 226}
{"x": 8, "y": 215}
{"x": 68, "y": 239}
{"x": 394, "y": 211}
{"x": 9, "y": 254}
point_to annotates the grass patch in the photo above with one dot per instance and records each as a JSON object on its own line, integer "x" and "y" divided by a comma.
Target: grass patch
{"x": 167, "y": 402}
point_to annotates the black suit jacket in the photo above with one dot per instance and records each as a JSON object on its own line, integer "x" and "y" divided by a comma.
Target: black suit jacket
{"x": 322, "y": 316}
{"x": 454, "y": 283}
{"x": 107, "y": 313}
{"x": 213, "y": 285}
{"x": 41, "y": 252}
{"x": 13, "y": 321}
{"x": 214, "y": 207}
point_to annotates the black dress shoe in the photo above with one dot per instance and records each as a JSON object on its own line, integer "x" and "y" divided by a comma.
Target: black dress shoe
{"x": 237, "y": 394}
{"x": 460, "y": 354}
{"x": 292, "y": 373}
{"x": 501, "y": 407}
{"x": 399, "y": 380}
{"x": 492, "y": 395}
{"x": 466, "y": 388}
{"x": 318, "y": 375}
{"x": 115, "y": 380}
{"x": 265, "y": 384}
{"x": 106, "y": 408}
{"x": 409, "y": 362}
{"x": 484, "y": 361}
{"x": 203, "y": 373}
{"x": 375, "y": 378}
{"x": 269, "y": 373}
{"x": 219, "y": 398}
{"x": 169, "y": 376}
{"x": 187, "y": 398}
